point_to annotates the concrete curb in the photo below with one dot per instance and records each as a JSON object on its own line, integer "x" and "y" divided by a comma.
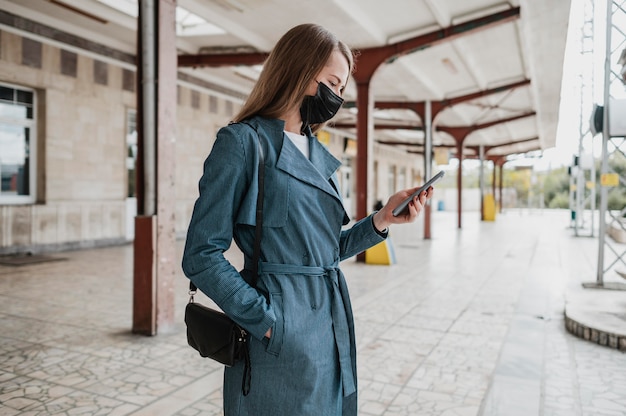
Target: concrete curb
{"x": 604, "y": 328}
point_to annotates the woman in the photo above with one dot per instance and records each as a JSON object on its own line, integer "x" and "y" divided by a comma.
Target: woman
{"x": 302, "y": 347}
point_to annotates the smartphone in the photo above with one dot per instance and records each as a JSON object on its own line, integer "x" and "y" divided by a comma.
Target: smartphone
{"x": 403, "y": 206}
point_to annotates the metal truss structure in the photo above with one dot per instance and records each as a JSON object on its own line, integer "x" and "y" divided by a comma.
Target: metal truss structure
{"x": 583, "y": 170}
{"x": 612, "y": 223}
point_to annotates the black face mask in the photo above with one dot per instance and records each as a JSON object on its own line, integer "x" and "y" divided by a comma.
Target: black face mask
{"x": 320, "y": 107}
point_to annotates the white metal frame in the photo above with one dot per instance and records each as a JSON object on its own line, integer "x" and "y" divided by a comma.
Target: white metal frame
{"x": 615, "y": 43}
{"x": 582, "y": 175}
{"x": 31, "y": 124}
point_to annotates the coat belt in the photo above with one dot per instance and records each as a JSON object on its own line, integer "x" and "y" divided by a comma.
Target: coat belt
{"x": 340, "y": 302}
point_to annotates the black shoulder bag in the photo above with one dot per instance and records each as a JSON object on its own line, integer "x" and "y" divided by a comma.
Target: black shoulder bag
{"x": 211, "y": 332}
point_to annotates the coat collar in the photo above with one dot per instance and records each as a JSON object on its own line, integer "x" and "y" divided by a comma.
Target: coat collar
{"x": 322, "y": 164}
{"x": 318, "y": 171}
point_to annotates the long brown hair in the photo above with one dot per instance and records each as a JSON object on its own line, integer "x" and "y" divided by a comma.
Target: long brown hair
{"x": 297, "y": 58}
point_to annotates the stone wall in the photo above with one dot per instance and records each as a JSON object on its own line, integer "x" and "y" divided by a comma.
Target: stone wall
{"x": 81, "y": 155}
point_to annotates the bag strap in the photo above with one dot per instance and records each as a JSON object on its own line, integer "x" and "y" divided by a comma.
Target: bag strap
{"x": 258, "y": 233}
{"x": 256, "y": 253}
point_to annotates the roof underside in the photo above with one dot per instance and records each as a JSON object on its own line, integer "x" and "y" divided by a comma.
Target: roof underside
{"x": 528, "y": 48}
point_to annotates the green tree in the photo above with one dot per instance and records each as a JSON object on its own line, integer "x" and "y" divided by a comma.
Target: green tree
{"x": 556, "y": 186}
{"x": 518, "y": 179}
{"x": 616, "y": 200}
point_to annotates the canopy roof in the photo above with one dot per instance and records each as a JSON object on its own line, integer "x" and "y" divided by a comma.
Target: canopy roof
{"x": 503, "y": 76}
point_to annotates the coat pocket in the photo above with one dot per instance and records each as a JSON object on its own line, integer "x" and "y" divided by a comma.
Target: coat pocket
{"x": 275, "y": 342}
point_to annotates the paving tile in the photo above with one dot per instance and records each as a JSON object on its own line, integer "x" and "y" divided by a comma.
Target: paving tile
{"x": 375, "y": 397}
{"x": 24, "y": 393}
{"x": 210, "y": 405}
{"x": 139, "y": 385}
{"x": 82, "y": 403}
{"x": 461, "y": 318}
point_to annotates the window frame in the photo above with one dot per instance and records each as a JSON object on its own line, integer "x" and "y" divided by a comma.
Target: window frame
{"x": 131, "y": 119}
{"x": 33, "y": 145}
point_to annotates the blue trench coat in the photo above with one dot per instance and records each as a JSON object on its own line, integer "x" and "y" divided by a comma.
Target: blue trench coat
{"x": 308, "y": 366}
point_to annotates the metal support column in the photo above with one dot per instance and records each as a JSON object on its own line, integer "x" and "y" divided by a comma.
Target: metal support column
{"x": 583, "y": 173}
{"x": 459, "y": 180}
{"x": 365, "y": 128}
{"x": 428, "y": 161}
{"x": 481, "y": 180}
{"x": 611, "y": 254}
{"x": 155, "y": 255}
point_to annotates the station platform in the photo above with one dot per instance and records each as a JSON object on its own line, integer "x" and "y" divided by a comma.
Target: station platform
{"x": 469, "y": 323}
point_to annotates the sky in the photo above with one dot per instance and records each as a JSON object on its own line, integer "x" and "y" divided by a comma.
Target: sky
{"x": 568, "y": 133}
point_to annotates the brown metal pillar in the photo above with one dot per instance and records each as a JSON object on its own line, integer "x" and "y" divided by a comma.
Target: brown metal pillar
{"x": 364, "y": 129}
{"x": 427, "y": 111}
{"x": 144, "y": 275}
{"x": 459, "y": 134}
{"x": 155, "y": 240}
{"x": 501, "y": 183}
{"x": 481, "y": 156}
{"x": 493, "y": 179}
{"x": 459, "y": 179}
{"x": 493, "y": 183}
{"x": 428, "y": 160}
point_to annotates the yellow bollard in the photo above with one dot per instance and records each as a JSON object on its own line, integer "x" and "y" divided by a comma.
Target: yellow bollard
{"x": 382, "y": 253}
{"x": 489, "y": 208}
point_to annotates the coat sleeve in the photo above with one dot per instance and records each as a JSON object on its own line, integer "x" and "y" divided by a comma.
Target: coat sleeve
{"x": 359, "y": 237}
{"x": 223, "y": 186}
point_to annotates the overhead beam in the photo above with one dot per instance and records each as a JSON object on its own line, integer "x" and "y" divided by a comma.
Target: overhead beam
{"x": 448, "y": 102}
{"x": 371, "y": 58}
{"x": 222, "y": 59}
{"x": 398, "y": 143}
{"x": 512, "y": 143}
{"x": 385, "y": 126}
{"x": 494, "y": 158}
{"x": 479, "y": 94}
{"x": 465, "y": 130}
{"x": 401, "y": 143}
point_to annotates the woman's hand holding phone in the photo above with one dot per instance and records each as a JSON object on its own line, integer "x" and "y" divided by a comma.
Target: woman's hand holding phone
{"x": 385, "y": 217}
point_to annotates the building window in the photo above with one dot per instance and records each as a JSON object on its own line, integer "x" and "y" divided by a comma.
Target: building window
{"x": 18, "y": 144}
{"x": 195, "y": 99}
{"x": 131, "y": 151}
{"x": 391, "y": 180}
{"x": 401, "y": 179}
{"x": 213, "y": 104}
{"x": 229, "y": 109}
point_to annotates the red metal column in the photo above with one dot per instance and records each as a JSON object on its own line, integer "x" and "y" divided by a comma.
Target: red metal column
{"x": 419, "y": 108}
{"x": 481, "y": 157}
{"x": 459, "y": 179}
{"x": 459, "y": 134}
{"x": 364, "y": 129}
{"x": 494, "y": 178}
{"x": 501, "y": 184}
{"x": 144, "y": 276}
{"x": 427, "y": 121}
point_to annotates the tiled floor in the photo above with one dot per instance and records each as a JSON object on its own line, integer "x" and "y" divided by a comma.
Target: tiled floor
{"x": 467, "y": 323}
